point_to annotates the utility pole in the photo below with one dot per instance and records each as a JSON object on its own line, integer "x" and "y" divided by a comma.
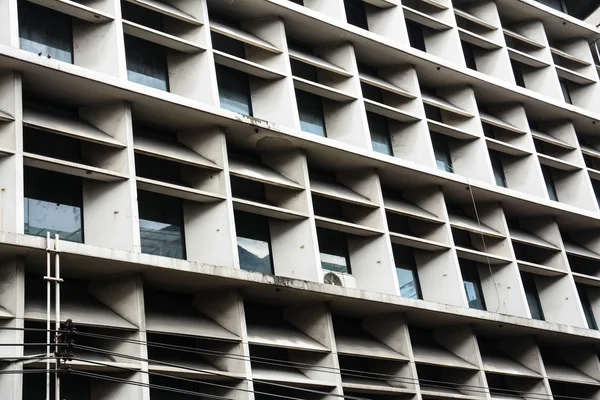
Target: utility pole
{"x": 52, "y": 248}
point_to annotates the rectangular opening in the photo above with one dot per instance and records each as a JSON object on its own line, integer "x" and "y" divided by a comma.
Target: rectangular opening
{"x": 254, "y": 242}
{"x": 498, "y": 168}
{"x": 416, "y": 37}
{"x": 234, "y": 90}
{"x": 380, "y": 134}
{"x": 310, "y": 111}
{"x": 333, "y": 248}
{"x": 472, "y": 284}
{"x": 586, "y": 304}
{"x": 146, "y": 63}
{"x": 406, "y": 272}
{"x": 356, "y": 13}
{"x": 533, "y": 298}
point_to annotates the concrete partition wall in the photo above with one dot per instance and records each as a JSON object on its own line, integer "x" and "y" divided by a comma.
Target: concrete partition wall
{"x": 272, "y": 100}
{"x": 12, "y": 289}
{"x": 101, "y": 47}
{"x": 331, "y": 8}
{"x": 346, "y": 122}
{"x": 11, "y": 164}
{"x": 371, "y": 257}
{"x": 388, "y": 22}
{"x": 542, "y": 80}
{"x": 110, "y": 208}
{"x": 501, "y": 284}
{"x": 210, "y": 227}
{"x": 439, "y": 272}
{"x": 9, "y": 23}
{"x": 585, "y": 96}
{"x": 446, "y": 43}
{"x": 294, "y": 243}
{"x": 410, "y": 141}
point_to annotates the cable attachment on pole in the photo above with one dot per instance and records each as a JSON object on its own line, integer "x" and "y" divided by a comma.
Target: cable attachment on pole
{"x": 65, "y": 339}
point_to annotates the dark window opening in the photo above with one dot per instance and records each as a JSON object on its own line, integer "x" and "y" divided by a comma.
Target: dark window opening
{"x": 248, "y": 189}
{"x": 587, "y": 306}
{"x": 52, "y": 145}
{"x": 158, "y": 169}
{"x": 549, "y": 180}
{"x": 416, "y": 38}
{"x": 498, "y": 169}
{"x": 142, "y": 16}
{"x": 442, "y": 152}
{"x": 146, "y": 63}
{"x": 469, "y": 54}
{"x": 433, "y": 112}
{"x": 518, "y": 73}
{"x": 533, "y": 298}
{"x": 380, "y": 134}
{"x": 310, "y": 111}
{"x": 472, "y": 284}
{"x": 254, "y": 242}
{"x": 234, "y": 90}
{"x": 356, "y": 13}
{"x": 406, "y": 271}
{"x": 227, "y": 45}
{"x": 596, "y": 187}
{"x": 328, "y": 208}
{"x": 333, "y": 248}
{"x": 303, "y": 70}
{"x": 564, "y": 86}
{"x": 161, "y": 225}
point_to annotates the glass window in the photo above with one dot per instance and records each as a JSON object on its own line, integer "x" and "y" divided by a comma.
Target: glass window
{"x": 161, "y": 225}
{"x": 549, "y": 183}
{"x": 565, "y": 91}
{"x": 472, "y": 284}
{"x": 53, "y": 203}
{"x": 380, "y": 134}
{"x": 310, "y": 110}
{"x": 356, "y": 13}
{"x": 442, "y": 152}
{"x": 556, "y": 4}
{"x": 518, "y": 73}
{"x": 469, "y": 55}
{"x": 146, "y": 63}
{"x": 531, "y": 293}
{"x": 234, "y": 90}
{"x": 45, "y": 32}
{"x": 498, "y": 169}
{"x": 253, "y": 242}
{"x": 415, "y": 35}
{"x": 406, "y": 270}
{"x": 587, "y": 307}
{"x": 333, "y": 247}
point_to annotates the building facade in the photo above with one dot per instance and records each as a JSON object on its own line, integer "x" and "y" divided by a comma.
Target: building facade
{"x": 302, "y": 199}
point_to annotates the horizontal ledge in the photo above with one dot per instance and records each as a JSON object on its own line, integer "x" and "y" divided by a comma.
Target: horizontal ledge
{"x": 340, "y": 192}
{"x": 322, "y": 90}
{"x": 477, "y": 40}
{"x": 5, "y": 117}
{"x": 425, "y": 19}
{"x": 73, "y": 127}
{"x": 372, "y": 386}
{"x": 5, "y": 151}
{"x": 267, "y": 210}
{"x": 594, "y": 173}
{"x": 381, "y": 3}
{"x": 449, "y": 130}
{"x": 261, "y": 173}
{"x": 539, "y": 269}
{"x": 246, "y": 66}
{"x": 580, "y": 251}
{"x": 493, "y": 120}
{"x": 505, "y": 148}
{"x": 182, "y": 192}
{"x": 530, "y": 239}
{"x": 71, "y": 168}
{"x": 439, "y": 102}
{"x": 75, "y": 10}
{"x": 573, "y": 76}
{"x": 586, "y": 279}
{"x": 481, "y": 257}
{"x": 417, "y": 243}
{"x": 467, "y": 224}
{"x": 389, "y": 111}
{"x": 166, "y": 9}
{"x": 442, "y": 393}
{"x": 242, "y": 36}
{"x": 385, "y": 85}
{"x": 470, "y": 17}
{"x": 317, "y": 62}
{"x": 590, "y": 151}
{"x": 522, "y": 38}
{"x": 526, "y": 59}
{"x": 567, "y": 56}
{"x": 173, "y": 151}
{"x": 160, "y": 38}
{"x": 543, "y": 136}
{"x": 554, "y": 162}
{"x": 399, "y": 206}
{"x": 203, "y": 373}
{"x": 346, "y": 227}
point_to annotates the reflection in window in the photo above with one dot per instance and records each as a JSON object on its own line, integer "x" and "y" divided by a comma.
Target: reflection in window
{"x": 45, "y": 32}
{"x": 472, "y": 285}
{"x": 333, "y": 249}
{"x": 146, "y": 63}
{"x": 380, "y": 134}
{"x": 498, "y": 169}
{"x": 406, "y": 270}
{"x": 253, "y": 242}
{"x": 161, "y": 225}
{"x": 310, "y": 110}
{"x": 442, "y": 152}
{"x": 234, "y": 90}
{"x": 587, "y": 306}
{"x": 533, "y": 298}
{"x": 53, "y": 203}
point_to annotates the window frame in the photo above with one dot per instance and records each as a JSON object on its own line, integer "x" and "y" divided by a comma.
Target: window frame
{"x": 303, "y": 98}
{"x": 379, "y": 127}
{"x": 258, "y": 229}
{"x": 498, "y": 169}
{"x": 401, "y": 255}
{"x": 136, "y": 47}
{"x": 470, "y": 274}
{"x": 549, "y": 182}
{"x": 440, "y": 145}
{"x": 586, "y": 304}
{"x": 344, "y": 251}
{"x": 532, "y": 296}
{"x": 234, "y": 76}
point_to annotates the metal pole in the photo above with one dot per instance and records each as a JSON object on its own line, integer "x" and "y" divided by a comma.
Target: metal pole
{"x": 48, "y": 299}
{"x": 57, "y": 301}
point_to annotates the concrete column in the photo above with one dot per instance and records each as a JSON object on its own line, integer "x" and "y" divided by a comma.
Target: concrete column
{"x": 9, "y": 23}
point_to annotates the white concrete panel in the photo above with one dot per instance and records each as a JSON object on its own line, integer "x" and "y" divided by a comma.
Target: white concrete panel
{"x": 9, "y": 23}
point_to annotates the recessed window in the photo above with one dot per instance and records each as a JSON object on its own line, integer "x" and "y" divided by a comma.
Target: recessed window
{"x": 299, "y": 2}
{"x": 303, "y": 70}
{"x": 53, "y": 203}
{"x": 472, "y": 284}
{"x": 587, "y": 307}
{"x": 333, "y": 248}
{"x": 234, "y": 90}
{"x": 596, "y": 187}
{"x": 146, "y": 63}
{"x": 248, "y": 189}
{"x": 442, "y": 152}
{"x": 518, "y": 73}
{"x": 158, "y": 169}
{"x": 415, "y": 35}
{"x": 564, "y": 87}
{"x": 406, "y": 271}
{"x": 161, "y": 225}
{"x": 45, "y": 32}
{"x": 549, "y": 180}
{"x": 433, "y": 113}
{"x": 380, "y": 134}
{"x": 356, "y": 13}
{"x": 228, "y": 45}
{"x": 469, "y": 54}
{"x": 533, "y": 298}
{"x": 556, "y": 4}
{"x": 498, "y": 169}
{"x": 310, "y": 110}
{"x": 253, "y": 242}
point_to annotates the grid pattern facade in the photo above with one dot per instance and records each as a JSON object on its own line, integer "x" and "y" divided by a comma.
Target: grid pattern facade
{"x": 314, "y": 199}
